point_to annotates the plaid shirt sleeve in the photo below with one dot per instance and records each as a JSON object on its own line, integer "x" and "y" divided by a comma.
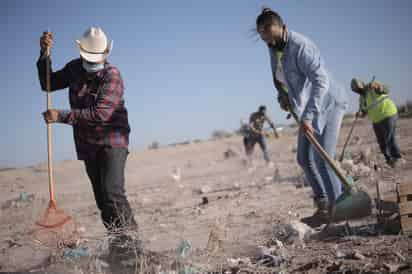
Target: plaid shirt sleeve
{"x": 58, "y": 79}
{"x": 109, "y": 96}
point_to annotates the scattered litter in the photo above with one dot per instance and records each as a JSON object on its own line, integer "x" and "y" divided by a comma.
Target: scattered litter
{"x": 216, "y": 236}
{"x": 356, "y": 140}
{"x": 23, "y": 199}
{"x": 347, "y": 155}
{"x": 400, "y": 256}
{"x": 205, "y": 189}
{"x": 176, "y": 174}
{"x": 24, "y": 196}
{"x": 293, "y": 214}
{"x": 81, "y": 230}
{"x": 298, "y": 232}
{"x": 276, "y": 175}
{"x": 270, "y": 260}
{"x": 279, "y": 244}
{"x": 12, "y": 243}
{"x": 393, "y": 268}
{"x": 205, "y": 201}
{"x": 355, "y": 255}
{"x": 184, "y": 248}
{"x": 187, "y": 269}
{"x": 335, "y": 267}
{"x": 339, "y": 254}
{"x": 233, "y": 262}
{"x": 348, "y": 166}
{"x": 129, "y": 263}
{"x": 99, "y": 265}
{"x": 251, "y": 169}
{"x": 75, "y": 253}
{"x": 363, "y": 170}
{"x": 366, "y": 155}
{"x": 269, "y": 178}
{"x": 359, "y": 169}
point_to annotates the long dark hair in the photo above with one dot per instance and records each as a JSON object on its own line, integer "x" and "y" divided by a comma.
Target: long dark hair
{"x": 268, "y": 17}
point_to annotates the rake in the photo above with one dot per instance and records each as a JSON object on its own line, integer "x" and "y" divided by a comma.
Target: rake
{"x": 50, "y": 225}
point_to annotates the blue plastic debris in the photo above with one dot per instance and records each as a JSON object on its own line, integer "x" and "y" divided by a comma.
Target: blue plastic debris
{"x": 75, "y": 253}
{"x": 24, "y": 196}
{"x": 184, "y": 248}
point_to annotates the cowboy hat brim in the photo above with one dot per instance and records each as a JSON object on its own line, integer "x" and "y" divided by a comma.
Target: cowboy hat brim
{"x": 93, "y": 57}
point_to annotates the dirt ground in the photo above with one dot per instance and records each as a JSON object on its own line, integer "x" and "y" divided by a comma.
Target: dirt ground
{"x": 194, "y": 193}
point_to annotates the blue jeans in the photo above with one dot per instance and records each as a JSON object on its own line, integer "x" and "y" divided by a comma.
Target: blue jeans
{"x": 319, "y": 174}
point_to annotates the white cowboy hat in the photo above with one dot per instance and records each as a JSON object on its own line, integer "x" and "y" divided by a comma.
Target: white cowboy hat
{"x": 94, "y": 46}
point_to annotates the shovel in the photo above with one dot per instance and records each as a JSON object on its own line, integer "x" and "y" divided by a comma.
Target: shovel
{"x": 353, "y": 203}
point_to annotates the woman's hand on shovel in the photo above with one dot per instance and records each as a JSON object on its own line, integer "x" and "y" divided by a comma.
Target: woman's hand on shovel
{"x": 307, "y": 127}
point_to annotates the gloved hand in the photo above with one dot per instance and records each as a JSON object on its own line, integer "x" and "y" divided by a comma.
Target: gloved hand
{"x": 283, "y": 101}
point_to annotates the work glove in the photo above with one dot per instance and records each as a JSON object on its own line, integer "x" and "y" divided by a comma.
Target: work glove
{"x": 283, "y": 101}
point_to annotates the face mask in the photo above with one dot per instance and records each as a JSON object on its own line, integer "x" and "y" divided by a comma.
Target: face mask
{"x": 92, "y": 67}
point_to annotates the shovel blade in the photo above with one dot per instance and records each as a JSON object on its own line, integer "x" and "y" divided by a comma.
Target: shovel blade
{"x": 355, "y": 205}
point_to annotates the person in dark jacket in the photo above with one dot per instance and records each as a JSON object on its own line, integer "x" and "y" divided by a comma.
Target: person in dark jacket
{"x": 99, "y": 119}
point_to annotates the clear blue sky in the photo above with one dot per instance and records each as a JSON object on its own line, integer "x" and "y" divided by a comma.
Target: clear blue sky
{"x": 189, "y": 66}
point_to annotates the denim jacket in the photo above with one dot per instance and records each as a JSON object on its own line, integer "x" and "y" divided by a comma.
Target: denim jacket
{"x": 311, "y": 91}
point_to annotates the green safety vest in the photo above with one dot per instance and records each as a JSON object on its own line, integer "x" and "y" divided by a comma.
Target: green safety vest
{"x": 377, "y": 106}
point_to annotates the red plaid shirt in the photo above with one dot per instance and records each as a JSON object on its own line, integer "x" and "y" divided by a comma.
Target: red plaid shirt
{"x": 98, "y": 113}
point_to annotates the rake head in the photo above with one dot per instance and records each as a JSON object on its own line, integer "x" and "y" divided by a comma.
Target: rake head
{"x": 55, "y": 228}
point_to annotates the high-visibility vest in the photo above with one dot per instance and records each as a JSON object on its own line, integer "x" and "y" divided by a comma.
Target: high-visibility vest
{"x": 377, "y": 106}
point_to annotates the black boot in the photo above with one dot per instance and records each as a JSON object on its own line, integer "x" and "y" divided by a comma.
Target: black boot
{"x": 125, "y": 246}
{"x": 321, "y": 216}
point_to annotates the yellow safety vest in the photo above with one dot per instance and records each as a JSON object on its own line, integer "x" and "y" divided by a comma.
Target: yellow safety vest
{"x": 377, "y": 106}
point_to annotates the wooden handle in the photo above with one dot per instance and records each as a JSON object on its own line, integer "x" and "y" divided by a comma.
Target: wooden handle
{"x": 325, "y": 155}
{"x": 49, "y": 133}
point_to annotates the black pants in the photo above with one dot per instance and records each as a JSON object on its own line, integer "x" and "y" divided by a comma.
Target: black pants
{"x": 385, "y": 134}
{"x": 106, "y": 172}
